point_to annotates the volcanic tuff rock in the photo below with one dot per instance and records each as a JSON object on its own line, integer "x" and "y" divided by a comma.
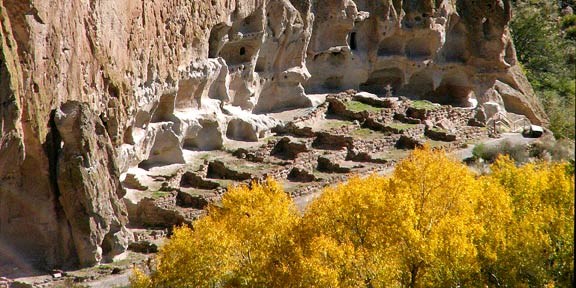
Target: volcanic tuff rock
{"x": 89, "y": 185}
{"x": 159, "y": 78}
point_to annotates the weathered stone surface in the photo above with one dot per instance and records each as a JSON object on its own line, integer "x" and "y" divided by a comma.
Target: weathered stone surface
{"x": 131, "y": 181}
{"x": 286, "y": 149}
{"x": 300, "y": 175}
{"x": 374, "y": 100}
{"x": 218, "y": 170}
{"x": 191, "y": 179}
{"x": 89, "y": 186}
{"x": 408, "y": 142}
{"x": 440, "y": 134}
{"x": 357, "y": 156}
{"x": 329, "y": 141}
{"x": 146, "y": 213}
{"x": 325, "y": 164}
{"x": 190, "y": 200}
{"x": 405, "y": 119}
{"x": 293, "y": 129}
{"x": 451, "y": 52}
{"x": 143, "y": 247}
{"x": 416, "y": 113}
{"x": 248, "y": 155}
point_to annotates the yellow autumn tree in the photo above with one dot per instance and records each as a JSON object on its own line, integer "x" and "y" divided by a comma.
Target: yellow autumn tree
{"x": 540, "y": 236}
{"x": 245, "y": 242}
{"x": 435, "y": 199}
{"x": 432, "y": 223}
{"x": 418, "y": 228}
{"x": 347, "y": 236}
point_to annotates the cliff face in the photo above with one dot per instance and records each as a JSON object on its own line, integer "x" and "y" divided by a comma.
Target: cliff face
{"x": 91, "y": 88}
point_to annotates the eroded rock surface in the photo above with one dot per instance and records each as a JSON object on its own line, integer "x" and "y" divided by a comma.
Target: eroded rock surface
{"x": 89, "y": 186}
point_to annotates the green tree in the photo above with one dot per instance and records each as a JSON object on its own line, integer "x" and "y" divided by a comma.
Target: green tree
{"x": 548, "y": 60}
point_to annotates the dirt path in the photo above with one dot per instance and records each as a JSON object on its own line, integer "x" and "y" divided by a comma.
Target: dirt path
{"x": 113, "y": 281}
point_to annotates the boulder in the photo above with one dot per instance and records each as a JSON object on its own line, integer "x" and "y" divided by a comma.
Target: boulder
{"x": 446, "y": 125}
{"x": 374, "y": 100}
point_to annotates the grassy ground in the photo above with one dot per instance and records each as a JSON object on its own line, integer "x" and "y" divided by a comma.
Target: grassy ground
{"x": 366, "y": 134}
{"x": 402, "y": 126}
{"x": 327, "y": 124}
{"x": 159, "y": 194}
{"x": 392, "y": 154}
{"x": 356, "y": 106}
{"x": 424, "y": 104}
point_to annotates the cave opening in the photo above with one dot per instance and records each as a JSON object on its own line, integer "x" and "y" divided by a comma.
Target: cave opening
{"x": 379, "y": 81}
{"x": 352, "y": 41}
{"x": 453, "y": 90}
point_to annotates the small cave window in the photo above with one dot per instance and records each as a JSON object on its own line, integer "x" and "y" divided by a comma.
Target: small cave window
{"x": 486, "y": 29}
{"x": 242, "y": 51}
{"x": 352, "y": 41}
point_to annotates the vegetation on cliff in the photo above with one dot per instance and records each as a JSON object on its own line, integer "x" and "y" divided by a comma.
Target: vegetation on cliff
{"x": 432, "y": 223}
{"x": 546, "y": 45}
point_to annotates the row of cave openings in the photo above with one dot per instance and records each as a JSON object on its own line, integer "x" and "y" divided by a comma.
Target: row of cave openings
{"x": 454, "y": 88}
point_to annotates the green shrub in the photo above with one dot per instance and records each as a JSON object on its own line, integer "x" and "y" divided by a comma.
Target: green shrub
{"x": 548, "y": 59}
{"x": 548, "y": 149}
{"x": 568, "y": 21}
{"x": 571, "y": 33}
{"x": 490, "y": 153}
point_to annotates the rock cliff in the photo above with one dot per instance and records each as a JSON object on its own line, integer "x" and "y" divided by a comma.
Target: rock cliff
{"x": 89, "y": 89}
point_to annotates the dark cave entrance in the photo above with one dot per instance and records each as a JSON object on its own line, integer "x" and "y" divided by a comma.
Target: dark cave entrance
{"x": 352, "y": 41}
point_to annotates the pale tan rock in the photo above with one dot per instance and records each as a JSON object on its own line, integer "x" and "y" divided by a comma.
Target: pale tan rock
{"x": 445, "y": 51}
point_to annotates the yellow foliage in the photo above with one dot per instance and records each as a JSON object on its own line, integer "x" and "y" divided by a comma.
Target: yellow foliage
{"x": 540, "y": 237}
{"x": 244, "y": 243}
{"x": 432, "y": 223}
{"x": 139, "y": 279}
{"x": 436, "y": 198}
{"x": 346, "y": 235}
